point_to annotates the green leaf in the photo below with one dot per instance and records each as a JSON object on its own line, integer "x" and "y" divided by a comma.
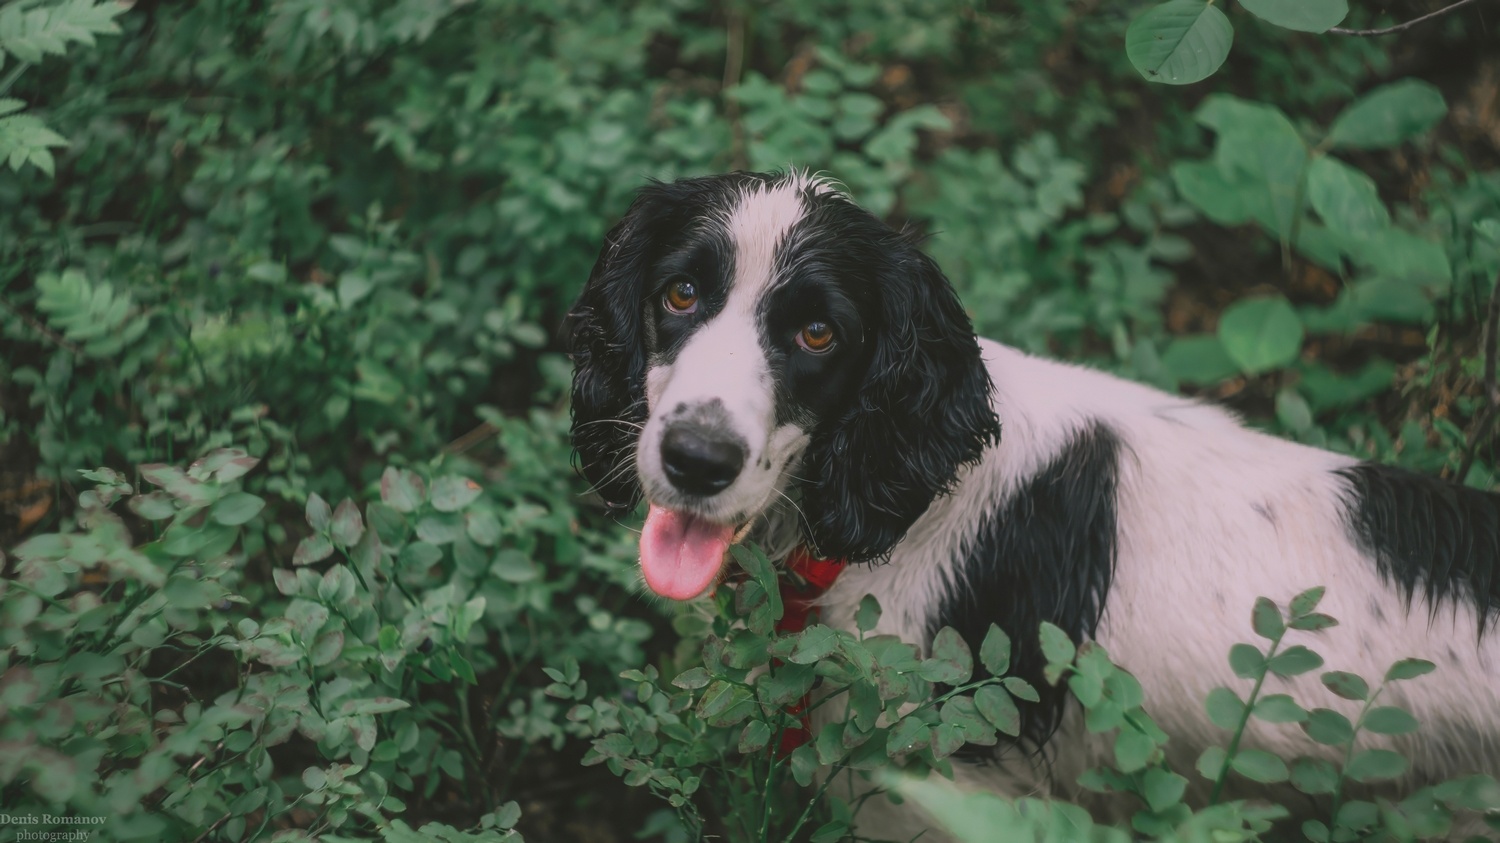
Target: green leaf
{"x": 1389, "y": 720}
{"x": 692, "y": 679}
{"x": 451, "y": 494}
{"x": 999, "y": 708}
{"x": 1133, "y": 750}
{"x": 1179, "y": 42}
{"x": 1294, "y": 661}
{"x": 1314, "y": 776}
{"x": 1409, "y": 669}
{"x": 1246, "y": 660}
{"x": 804, "y": 763}
{"x": 755, "y": 737}
{"x": 319, "y": 513}
{"x": 1279, "y": 708}
{"x": 868, "y": 613}
{"x": 1261, "y": 334}
{"x": 1162, "y": 788}
{"x": 951, "y": 661}
{"x": 1300, "y": 15}
{"x": 1373, "y": 765}
{"x": 402, "y": 490}
{"x": 1328, "y": 727}
{"x": 814, "y": 643}
{"x": 236, "y": 508}
{"x": 1057, "y": 648}
{"x": 1198, "y": 360}
{"x": 1211, "y": 763}
{"x": 1225, "y": 708}
{"x": 1259, "y": 765}
{"x": 909, "y": 735}
{"x": 347, "y": 527}
{"x": 312, "y": 549}
{"x": 1307, "y": 601}
{"x": 1388, "y": 115}
{"x": 1345, "y": 198}
{"x": 1259, "y": 144}
{"x": 994, "y": 652}
{"x": 1347, "y": 685}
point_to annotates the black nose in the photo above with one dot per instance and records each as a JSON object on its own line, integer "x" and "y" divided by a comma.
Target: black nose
{"x": 700, "y": 462}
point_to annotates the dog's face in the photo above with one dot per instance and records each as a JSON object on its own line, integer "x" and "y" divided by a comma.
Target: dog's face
{"x": 744, "y": 334}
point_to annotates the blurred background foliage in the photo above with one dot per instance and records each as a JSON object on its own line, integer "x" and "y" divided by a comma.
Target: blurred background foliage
{"x": 341, "y": 234}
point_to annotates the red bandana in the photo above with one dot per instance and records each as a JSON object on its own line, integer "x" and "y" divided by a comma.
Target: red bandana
{"x": 812, "y": 577}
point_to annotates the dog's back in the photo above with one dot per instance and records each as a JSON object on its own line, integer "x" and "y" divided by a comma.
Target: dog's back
{"x": 1151, "y": 523}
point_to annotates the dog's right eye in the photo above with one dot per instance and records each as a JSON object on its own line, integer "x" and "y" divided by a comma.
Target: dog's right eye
{"x": 681, "y": 297}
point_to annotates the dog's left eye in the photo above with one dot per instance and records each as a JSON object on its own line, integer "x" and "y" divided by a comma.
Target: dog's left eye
{"x": 682, "y": 297}
{"x": 817, "y": 337}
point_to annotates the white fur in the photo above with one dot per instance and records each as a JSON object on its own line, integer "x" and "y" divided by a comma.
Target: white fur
{"x": 1194, "y": 553}
{"x": 724, "y": 361}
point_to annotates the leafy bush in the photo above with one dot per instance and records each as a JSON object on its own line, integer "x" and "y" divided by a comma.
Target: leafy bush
{"x": 333, "y": 239}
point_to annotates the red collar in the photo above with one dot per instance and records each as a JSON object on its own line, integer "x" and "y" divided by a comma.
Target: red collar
{"x": 808, "y": 577}
{"x": 811, "y": 577}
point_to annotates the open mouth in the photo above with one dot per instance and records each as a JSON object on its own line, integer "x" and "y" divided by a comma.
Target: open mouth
{"x": 682, "y": 554}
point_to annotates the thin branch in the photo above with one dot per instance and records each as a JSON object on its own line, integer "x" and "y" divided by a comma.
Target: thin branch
{"x": 734, "y": 67}
{"x": 1338, "y": 30}
{"x": 41, "y": 328}
{"x": 1490, "y": 341}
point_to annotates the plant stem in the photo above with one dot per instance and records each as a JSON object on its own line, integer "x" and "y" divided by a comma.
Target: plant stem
{"x": 1239, "y": 732}
{"x": 1391, "y": 30}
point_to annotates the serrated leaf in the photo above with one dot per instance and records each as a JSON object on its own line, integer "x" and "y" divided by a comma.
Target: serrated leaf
{"x": 1299, "y": 15}
{"x": 1179, "y": 42}
{"x": 951, "y": 661}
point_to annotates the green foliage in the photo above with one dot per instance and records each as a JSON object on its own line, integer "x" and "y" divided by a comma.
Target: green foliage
{"x": 28, "y": 33}
{"x": 716, "y": 742}
{"x": 338, "y": 238}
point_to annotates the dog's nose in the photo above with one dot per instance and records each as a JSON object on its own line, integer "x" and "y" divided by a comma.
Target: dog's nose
{"x": 699, "y": 462}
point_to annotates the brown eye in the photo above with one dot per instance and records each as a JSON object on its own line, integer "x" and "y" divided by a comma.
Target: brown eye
{"x": 817, "y": 337}
{"x": 682, "y": 297}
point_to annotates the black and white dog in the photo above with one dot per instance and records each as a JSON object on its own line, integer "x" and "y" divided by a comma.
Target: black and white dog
{"x": 756, "y": 353}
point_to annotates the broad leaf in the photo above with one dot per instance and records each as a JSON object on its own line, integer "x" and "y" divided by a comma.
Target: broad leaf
{"x": 1179, "y": 42}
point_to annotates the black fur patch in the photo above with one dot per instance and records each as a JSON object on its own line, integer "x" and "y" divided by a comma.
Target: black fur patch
{"x": 1048, "y": 554}
{"x": 1428, "y": 535}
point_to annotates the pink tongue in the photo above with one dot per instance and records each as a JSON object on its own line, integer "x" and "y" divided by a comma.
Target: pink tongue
{"x": 681, "y": 554}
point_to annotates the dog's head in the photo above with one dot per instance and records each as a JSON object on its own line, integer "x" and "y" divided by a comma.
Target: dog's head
{"x": 747, "y": 336}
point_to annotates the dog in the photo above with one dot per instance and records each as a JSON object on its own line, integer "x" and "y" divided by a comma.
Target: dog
{"x": 757, "y": 355}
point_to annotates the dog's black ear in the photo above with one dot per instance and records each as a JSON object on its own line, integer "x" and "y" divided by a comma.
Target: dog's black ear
{"x": 606, "y": 338}
{"x": 923, "y": 411}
